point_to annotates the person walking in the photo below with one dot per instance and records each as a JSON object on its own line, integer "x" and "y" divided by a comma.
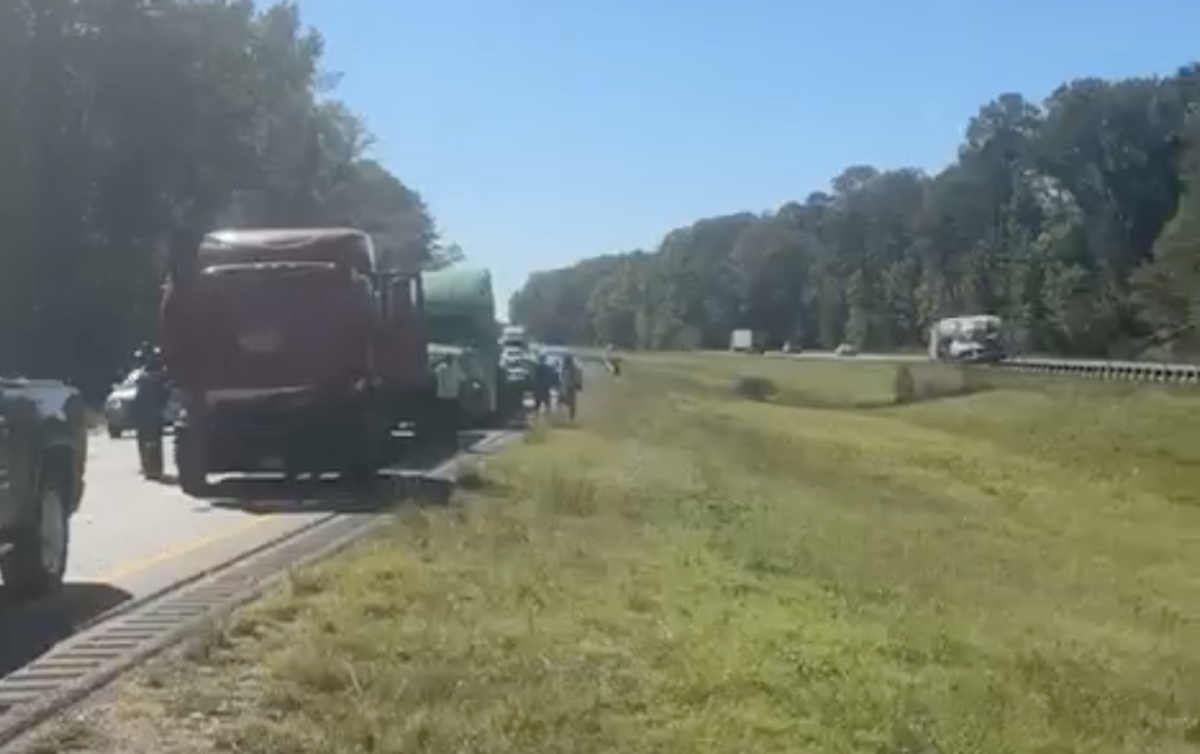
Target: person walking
{"x": 543, "y": 384}
{"x": 149, "y": 405}
{"x": 612, "y": 361}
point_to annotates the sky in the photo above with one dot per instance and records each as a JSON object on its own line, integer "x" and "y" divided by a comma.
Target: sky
{"x": 541, "y": 132}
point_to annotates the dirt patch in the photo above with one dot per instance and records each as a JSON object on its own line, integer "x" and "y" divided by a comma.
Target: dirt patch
{"x": 760, "y": 389}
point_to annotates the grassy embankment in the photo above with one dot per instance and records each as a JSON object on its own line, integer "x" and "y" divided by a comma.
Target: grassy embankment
{"x": 691, "y": 570}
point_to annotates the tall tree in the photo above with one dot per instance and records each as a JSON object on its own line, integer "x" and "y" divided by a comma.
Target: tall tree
{"x": 120, "y": 120}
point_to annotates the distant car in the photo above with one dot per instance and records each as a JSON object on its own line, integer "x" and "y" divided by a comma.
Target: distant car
{"x": 845, "y": 349}
{"x": 117, "y": 406}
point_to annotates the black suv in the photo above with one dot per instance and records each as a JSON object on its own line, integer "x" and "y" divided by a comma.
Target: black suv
{"x": 43, "y": 454}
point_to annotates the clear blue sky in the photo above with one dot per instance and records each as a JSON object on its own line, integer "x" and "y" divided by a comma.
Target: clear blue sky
{"x": 544, "y": 131}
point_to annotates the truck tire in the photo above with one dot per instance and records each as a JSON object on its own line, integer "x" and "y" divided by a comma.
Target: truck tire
{"x": 361, "y": 468}
{"x": 115, "y": 432}
{"x": 193, "y": 476}
{"x": 360, "y": 474}
{"x": 474, "y": 410}
{"x": 37, "y": 562}
{"x": 368, "y": 442}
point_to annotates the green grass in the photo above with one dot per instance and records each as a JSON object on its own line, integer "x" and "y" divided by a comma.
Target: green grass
{"x": 1012, "y": 569}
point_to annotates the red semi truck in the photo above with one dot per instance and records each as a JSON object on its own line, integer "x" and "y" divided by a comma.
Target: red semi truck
{"x": 294, "y": 354}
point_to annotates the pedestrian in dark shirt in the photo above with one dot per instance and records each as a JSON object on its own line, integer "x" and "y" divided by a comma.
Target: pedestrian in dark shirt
{"x": 544, "y": 377}
{"x": 149, "y": 405}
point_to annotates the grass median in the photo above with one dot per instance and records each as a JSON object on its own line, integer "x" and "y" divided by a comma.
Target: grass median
{"x": 746, "y": 555}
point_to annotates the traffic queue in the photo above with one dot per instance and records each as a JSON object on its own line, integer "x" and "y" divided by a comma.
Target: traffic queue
{"x": 295, "y": 351}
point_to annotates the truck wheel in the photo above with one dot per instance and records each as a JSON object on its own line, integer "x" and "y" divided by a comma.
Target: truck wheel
{"x": 451, "y": 418}
{"x": 114, "y": 432}
{"x": 360, "y": 473}
{"x": 38, "y": 561}
{"x": 361, "y": 467}
{"x": 193, "y": 479}
{"x": 368, "y": 445}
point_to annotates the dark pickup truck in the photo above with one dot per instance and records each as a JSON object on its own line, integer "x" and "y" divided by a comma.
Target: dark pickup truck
{"x": 43, "y": 454}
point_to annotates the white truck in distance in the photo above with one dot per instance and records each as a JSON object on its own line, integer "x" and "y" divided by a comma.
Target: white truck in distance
{"x": 745, "y": 341}
{"x": 514, "y": 336}
{"x": 975, "y": 338}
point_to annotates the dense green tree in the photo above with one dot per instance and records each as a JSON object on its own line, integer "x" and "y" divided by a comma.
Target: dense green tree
{"x": 1069, "y": 218}
{"x": 120, "y": 120}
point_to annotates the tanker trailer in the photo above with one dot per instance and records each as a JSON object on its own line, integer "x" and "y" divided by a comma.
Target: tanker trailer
{"x": 460, "y": 324}
{"x": 292, "y": 353}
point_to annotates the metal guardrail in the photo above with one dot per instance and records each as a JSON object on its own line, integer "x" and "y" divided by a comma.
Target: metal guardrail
{"x": 1133, "y": 371}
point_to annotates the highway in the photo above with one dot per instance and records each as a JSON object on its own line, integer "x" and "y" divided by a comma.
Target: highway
{"x": 133, "y": 538}
{"x": 139, "y": 536}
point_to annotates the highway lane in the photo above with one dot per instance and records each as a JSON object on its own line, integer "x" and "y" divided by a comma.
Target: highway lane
{"x": 139, "y": 536}
{"x": 132, "y": 538}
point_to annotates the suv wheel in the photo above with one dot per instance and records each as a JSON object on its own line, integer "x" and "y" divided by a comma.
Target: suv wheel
{"x": 37, "y": 562}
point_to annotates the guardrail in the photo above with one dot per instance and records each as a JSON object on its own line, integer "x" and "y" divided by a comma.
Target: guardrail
{"x": 1133, "y": 371}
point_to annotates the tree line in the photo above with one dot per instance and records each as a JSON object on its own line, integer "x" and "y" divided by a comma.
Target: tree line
{"x": 122, "y": 121}
{"x": 1072, "y": 219}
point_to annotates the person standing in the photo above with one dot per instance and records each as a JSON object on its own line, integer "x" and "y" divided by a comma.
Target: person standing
{"x": 448, "y": 378}
{"x": 149, "y": 406}
{"x": 543, "y": 384}
{"x": 570, "y": 382}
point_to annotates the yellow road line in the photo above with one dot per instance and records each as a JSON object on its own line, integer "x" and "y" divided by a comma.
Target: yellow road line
{"x": 134, "y": 567}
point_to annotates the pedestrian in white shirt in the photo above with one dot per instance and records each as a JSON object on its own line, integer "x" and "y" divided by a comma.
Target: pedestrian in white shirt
{"x": 448, "y": 377}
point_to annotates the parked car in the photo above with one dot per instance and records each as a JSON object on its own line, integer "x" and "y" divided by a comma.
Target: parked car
{"x": 43, "y": 455}
{"x": 117, "y": 406}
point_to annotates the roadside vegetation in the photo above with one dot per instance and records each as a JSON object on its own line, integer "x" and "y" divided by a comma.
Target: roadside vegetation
{"x": 700, "y": 565}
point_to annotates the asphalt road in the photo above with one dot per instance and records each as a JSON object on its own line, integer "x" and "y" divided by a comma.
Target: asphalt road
{"x": 132, "y": 537}
{"x": 139, "y": 536}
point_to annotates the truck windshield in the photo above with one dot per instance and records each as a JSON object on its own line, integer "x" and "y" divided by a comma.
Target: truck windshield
{"x": 986, "y": 331}
{"x": 452, "y": 329}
